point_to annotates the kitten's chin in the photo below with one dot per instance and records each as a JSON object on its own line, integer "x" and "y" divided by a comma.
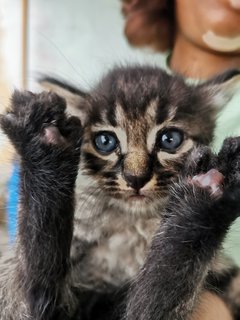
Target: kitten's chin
{"x": 140, "y": 205}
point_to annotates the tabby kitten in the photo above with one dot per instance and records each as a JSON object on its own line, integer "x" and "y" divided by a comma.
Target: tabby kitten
{"x": 137, "y": 238}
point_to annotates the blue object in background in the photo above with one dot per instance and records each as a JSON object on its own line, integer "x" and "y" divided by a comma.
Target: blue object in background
{"x": 12, "y": 204}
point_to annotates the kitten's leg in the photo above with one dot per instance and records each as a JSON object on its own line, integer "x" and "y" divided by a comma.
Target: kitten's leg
{"x": 48, "y": 143}
{"x": 224, "y": 278}
{"x": 181, "y": 253}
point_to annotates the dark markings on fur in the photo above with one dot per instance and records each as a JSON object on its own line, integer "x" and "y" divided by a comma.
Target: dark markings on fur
{"x": 111, "y": 183}
{"x": 93, "y": 163}
{"x": 63, "y": 85}
{"x": 109, "y": 175}
{"x": 55, "y": 275}
{"x": 162, "y": 113}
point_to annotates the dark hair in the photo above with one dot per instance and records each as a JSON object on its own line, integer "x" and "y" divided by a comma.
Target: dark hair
{"x": 150, "y": 23}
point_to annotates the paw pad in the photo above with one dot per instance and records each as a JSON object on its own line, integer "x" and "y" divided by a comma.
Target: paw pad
{"x": 212, "y": 180}
{"x": 51, "y": 135}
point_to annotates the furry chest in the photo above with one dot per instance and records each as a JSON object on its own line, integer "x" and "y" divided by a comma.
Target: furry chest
{"x": 116, "y": 258}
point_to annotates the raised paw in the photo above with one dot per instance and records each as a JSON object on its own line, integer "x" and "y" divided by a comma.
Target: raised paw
{"x": 34, "y": 120}
{"x": 229, "y": 160}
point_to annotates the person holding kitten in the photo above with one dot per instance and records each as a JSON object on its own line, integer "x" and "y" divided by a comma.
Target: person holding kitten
{"x": 199, "y": 39}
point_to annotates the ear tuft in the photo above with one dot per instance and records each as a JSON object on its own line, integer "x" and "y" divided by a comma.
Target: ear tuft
{"x": 222, "y": 87}
{"x": 224, "y": 77}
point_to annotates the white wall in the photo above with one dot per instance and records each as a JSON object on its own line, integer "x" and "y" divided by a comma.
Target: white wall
{"x": 79, "y": 39}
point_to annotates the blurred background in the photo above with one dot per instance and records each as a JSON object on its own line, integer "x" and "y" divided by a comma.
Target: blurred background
{"x": 77, "y": 40}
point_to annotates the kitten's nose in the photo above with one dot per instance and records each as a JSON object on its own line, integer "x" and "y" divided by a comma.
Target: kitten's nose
{"x": 136, "y": 182}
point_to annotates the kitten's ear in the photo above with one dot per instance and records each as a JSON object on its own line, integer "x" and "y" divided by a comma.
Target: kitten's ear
{"x": 222, "y": 87}
{"x": 75, "y": 98}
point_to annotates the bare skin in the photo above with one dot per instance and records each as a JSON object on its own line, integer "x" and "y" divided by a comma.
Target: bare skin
{"x": 192, "y": 55}
{"x": 211, "y": 308}
{"x": 204, "y": 63}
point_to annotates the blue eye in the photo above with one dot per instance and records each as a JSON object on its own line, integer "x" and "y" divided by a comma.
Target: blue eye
{"x": 170, "y": 139}
{"x": 105, "y": 142}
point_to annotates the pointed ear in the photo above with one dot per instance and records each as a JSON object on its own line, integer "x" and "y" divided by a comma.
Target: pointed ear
{"x": 75, "y": 98}
{"x": 222, "y": 88}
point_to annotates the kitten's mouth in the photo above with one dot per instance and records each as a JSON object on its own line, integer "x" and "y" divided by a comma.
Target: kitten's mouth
{"x": 137, "y": 197}
{"x": 141, "y": 197}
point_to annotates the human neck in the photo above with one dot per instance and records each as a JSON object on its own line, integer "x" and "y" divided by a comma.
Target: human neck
{"x": 196, "y": 62}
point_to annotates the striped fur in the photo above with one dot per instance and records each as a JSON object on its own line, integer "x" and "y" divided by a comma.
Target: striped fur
{"x": 83, "y": 263}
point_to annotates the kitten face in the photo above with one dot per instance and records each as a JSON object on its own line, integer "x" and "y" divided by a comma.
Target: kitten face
{"x": 140, "y": 128}
{"x": 136, "y": 160}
